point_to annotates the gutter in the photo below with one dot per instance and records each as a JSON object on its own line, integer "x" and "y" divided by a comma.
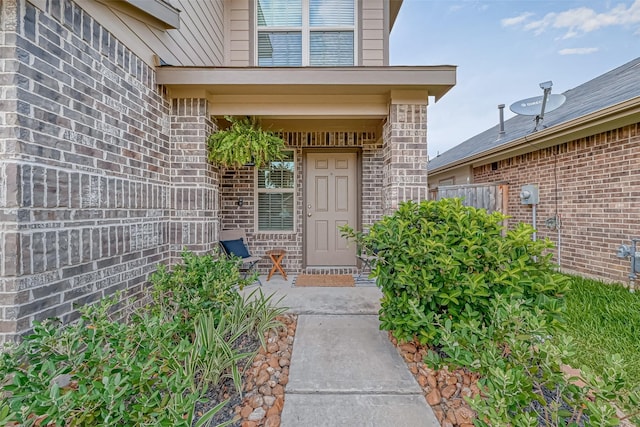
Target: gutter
{"x": 550, "y": 136}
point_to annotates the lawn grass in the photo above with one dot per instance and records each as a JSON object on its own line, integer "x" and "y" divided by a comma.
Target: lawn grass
{"x": 604, "y": 319}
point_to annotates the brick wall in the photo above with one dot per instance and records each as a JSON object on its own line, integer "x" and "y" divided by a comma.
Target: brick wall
{"x": 240, "y": 183}
{"x": 194, "y": 196}
{"x": 101, "y": 176}
{"x": 596, "y": 183}
{"x": 405, "y": 156}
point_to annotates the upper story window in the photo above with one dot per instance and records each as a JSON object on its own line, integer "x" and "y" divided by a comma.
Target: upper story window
{"x": 306, "y": 32}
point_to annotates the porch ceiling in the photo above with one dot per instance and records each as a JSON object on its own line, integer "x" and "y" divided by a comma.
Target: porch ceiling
{"x": 356, "y": 92}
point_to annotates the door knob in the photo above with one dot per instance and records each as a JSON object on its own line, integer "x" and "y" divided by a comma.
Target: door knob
{"x": 309, "y": 214}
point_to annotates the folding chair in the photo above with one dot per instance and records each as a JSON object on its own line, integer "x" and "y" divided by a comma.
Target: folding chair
{"x": 233, "y": 242}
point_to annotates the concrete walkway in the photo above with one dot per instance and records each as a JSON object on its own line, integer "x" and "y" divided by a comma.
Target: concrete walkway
{"x": 344, "y": 371}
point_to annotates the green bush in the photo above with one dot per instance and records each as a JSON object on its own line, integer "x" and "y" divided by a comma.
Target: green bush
{"x": 199, "y": 284}
{"x": 149, "y": 371}
{"x": 489, "y": 300}
{"x": 445, "y": 260}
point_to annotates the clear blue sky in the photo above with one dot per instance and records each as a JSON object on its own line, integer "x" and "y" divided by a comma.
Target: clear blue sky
{"x": 504, "y": 49}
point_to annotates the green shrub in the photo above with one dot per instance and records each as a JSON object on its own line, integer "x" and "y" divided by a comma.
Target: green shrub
{"x": 152, "y": 370}
{"x": 449, "y": 260}
{"x": 490, "y": 300}
{"x": 199, "y": 284}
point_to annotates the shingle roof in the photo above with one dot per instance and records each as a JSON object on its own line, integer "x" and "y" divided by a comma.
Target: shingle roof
{"x": 616, "y": 86}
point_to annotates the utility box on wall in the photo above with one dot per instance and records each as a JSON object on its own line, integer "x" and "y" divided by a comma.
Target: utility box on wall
{"x": 529, "y": 194}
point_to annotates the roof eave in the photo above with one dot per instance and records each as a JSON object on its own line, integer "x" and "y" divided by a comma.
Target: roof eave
{"x": 612, "y": 117}
{"x": 437, "y": 80}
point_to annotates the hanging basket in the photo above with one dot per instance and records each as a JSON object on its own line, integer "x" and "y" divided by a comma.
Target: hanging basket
{"x": 244, "y": 143}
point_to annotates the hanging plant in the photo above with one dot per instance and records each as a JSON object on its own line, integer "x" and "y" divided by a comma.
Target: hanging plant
{"x": 244, "y": 143}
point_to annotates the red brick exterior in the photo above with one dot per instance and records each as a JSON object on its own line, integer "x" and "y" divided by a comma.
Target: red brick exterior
{"x": 596, "y": 182}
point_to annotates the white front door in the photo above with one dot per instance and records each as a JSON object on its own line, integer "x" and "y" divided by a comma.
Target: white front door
{"x": 331, "y": 201}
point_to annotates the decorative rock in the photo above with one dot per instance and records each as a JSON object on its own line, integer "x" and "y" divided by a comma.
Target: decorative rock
{"x": 451, "y": 380}
{"x": 474, "y": 389}
{"x": 451, "y": 416}
{"x": 273, "y": 411}
{"x": 255, "y": 401}
{"x": 413, "y": 368}
{"x": 466, "y": 392}
{"x": 263, "y": 377}
{"x": 466, "y": 379}
{"x": 464, "y": 415}
{"x": 431, "y": 381}
{"x": 269, "y": 400}
{"x": 246, "y": 411}
{"x": 279, "y": 403}
{"x": 273, "y": 362}
{"x": 257, "y": 414}
{"x": 278, "y": 390}
{"x": 434, "y": 398}
{"x": 422, "y": 380}
{"x": 449, "y": 391}
{"x": 264, "y": 382}
{"x": 284, "y": 379}
{"x": 272, "y": 421}
{"x": 265, "y": 390}
{"x": 408, "y": 347}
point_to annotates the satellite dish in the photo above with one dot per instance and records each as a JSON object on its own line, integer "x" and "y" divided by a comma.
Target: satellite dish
{"x": 532, "y": 106}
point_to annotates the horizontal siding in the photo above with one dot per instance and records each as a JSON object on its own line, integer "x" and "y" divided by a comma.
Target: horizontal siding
{"x": 237, "y": 46}
{"x": 198, "y": 41}
{"x": 372, "y": 33}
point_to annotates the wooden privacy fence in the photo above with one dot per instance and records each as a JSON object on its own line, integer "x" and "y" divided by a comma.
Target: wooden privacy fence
{"x": 492, "y": 196}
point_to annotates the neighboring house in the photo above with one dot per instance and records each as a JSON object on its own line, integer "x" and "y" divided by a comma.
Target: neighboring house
{"x": 585, "y": 161}
{"x": 105, "y": 109}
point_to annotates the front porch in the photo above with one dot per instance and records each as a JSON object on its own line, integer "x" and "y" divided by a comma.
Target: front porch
{"x": 358, "y": 147}
{"x": 366, "y": 176}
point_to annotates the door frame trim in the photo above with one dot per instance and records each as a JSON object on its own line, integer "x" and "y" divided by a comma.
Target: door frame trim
{"x": 358, "y": 175}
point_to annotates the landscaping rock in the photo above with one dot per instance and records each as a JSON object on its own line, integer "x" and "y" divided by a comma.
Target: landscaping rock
{"x": 257, "y": 414}
{"x": 444, "y": 391}
{"x": 267, "y": 377}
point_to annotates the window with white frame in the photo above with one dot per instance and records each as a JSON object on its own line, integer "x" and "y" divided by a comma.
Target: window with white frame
{"x": 276, "y": 191}
{"x": 305, "y": 32}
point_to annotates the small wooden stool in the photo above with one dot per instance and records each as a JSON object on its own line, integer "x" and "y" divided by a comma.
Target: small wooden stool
{"x": 276, "y": 256}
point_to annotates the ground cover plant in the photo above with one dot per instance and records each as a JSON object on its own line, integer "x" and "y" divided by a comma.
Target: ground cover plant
{"x": 156, "y": 369}
{"x": 490, "y": 300}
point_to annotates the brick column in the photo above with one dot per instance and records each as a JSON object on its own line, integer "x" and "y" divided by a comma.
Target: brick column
{"x": 405, "y": 155}
{"x": 195, "y": 182}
